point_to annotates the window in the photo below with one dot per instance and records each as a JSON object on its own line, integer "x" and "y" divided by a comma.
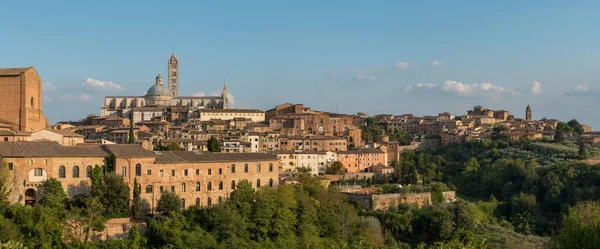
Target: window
{"x": 161, "y": 173}
{"x": 10, "y": 166}
{"x": 5, "y": 139}
{"x": 172, "y": 172}
{"x": 197, "y": 186}
{"x": 124, "y": 171}
{"x": 161, "y": 189}
{"x": 270, "y": 167}
{"x": 182, "y": 204}
{"x": 62, "y": 172}
{"x": 172, "y": 188}
{"x": 246, "y": 168}
{"x": 233, "y": 168}
{"x": 149, "y": 172}
{"x": 271, "y": 182}
{"x": 209, "y": 202}
{"x": 88, "y": 171}
{"x": 209, "y": 171}
{"x": 233, "y": 185}
{"x": 138, "y": 170}
{"x": 258, "y": 167}
{"x": 258, "y": 183}
{"x": 38, "y": 172}
{"x": 185, "y": 172}
{"x": 183, "y": 187}
{"x": 220, "y": 171}
{"x": 209, "y": 186}
{"x": 221, "y": 185}
{"x": 220, "y": 199}
{"x": 148, "y": 189}
{"x": 197, "y": 202}
{"x": 197, "y": 172}
{"x": 75, "y": 171}
{"x": 31, "y": 102}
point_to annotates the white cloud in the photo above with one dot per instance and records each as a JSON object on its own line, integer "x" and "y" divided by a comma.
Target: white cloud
{"x": 101, "y": 85}
{"x": 47, "y": 86}
{"x": 82, "y": 97}
{"x": 438, "y": 63}
{"x": 536, "y": 87}
{"x": 47, "y": 99}
{"x": 581, "y": 88}
{"x": 583, "y": 91}
{"x": 401, "y": 65}
{"x": 231, "y": 98}
{"x": 487, "y": 88}
{"x": 427, "y": 86}
{"x": 199, "y": 94}
{"x": 363, "y": 77}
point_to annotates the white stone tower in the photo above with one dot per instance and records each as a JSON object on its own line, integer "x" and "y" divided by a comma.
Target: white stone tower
{"x": 174, "y": 75}
{"x": 224, "y": 95}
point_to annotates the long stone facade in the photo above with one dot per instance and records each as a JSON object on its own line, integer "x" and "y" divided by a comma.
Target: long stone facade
{"x": 198, "y": 178}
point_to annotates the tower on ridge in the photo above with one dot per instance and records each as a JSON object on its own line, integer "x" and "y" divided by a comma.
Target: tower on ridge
{"x": 528, "y": 113}
{"x": 173, "y": 77}
{"x": 224, "y": 95}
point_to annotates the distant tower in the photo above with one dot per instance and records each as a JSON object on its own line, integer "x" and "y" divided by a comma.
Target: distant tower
{"x": 528, "y": 113}
{"x": 224, "y": 95}
{"x": 174, "y": 75}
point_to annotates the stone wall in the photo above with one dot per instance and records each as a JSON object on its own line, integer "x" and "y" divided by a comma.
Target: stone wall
{"x": 380, "y": 202}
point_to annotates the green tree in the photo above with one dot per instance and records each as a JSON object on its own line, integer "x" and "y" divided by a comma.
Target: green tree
{"x": 562, "y": 130}
{"x": 53, "y": 195}
{"x": 169, "y": 202}
{"x": 131, "y": 131}
{"x": 111, "y": 160}
{"x": 304, "y": 170}
{"x": 214, "y": 145}
{"x": 85, "y": 220}
{"x": 336, "y": 167}
{"x": 97, "y": 181}
{"x": 115, "y": 196}
{"x": 581, "y": 229}
{"x": 4, "y": 184}
{"x": 575, "y": 126}
{"x": 136, "y": 205}
{"x": 582, "y": 150}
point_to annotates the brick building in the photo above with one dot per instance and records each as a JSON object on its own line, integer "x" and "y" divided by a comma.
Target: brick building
{"x": 21, "y": 95}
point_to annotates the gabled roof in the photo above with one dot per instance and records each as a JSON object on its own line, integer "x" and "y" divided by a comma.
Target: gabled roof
{"x": 48, "y": 149}
{"x": 128, "y": 150}
{"x": 167, "y": 157}
{"x": 13, "y": 71}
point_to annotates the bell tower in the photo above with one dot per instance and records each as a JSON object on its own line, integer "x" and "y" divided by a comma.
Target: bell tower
{"x": 173, "y": 77}
{"x": 528, "y": 113}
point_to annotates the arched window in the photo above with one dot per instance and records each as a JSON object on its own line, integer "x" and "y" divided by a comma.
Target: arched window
{"x": 271, "y": 182}
{"x": 220, "y": 199}
{"x": 182, "y": 204}
{"x": 197, "y": 202}
{"x": 209, "y": 186}
{"x": 183, "y": 187}
{"x": 138, "y": 170}
{"x": 233, "y": 185}
{"x": 88, "y": 171}
{"x": 62, "y": 172}
{"x": 209, "y": 202}
{"x": 270, "y": 167}
{"x": 31, "y": 102}
{"x": 258, "y": 183}
{"x": 75, "y": 171}
{"x": 221, "y": 185}
{"x": 197, "y": 186}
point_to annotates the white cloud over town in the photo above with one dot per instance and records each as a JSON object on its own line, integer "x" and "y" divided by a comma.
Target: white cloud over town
{"x": 401, "y": 65}
{"x": 583, "y": 91}
{"x": 101, "y": 85}
{"x": 536, "y": 87}
{"x": 47, "y": 86}
{"x": 463, "y": 89}
{"x": 81, "y": 97}
{"x": 366, "y": 77}
{"x": 438, "y": 63}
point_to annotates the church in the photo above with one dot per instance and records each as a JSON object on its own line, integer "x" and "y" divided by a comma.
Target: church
{"x": 162, "y": 100}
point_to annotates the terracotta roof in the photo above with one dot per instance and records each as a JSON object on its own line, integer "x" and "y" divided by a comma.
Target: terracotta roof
{"x": 64, "y": 133}
{"x": 48, "y": 149}
{"x": 14, "y": 133}
{"x": 361, "y": 151}
{"x": 13, "y": 71}
{"x": 128, "y": 150}
{"x": 280, "y": 152}
{"x": 168, "y": 157}
{"x": 232, "y": 110}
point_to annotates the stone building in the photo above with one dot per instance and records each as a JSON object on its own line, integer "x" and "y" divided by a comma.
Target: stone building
{"x": 21, "y": 95}
{"x": 198, "y": 178}
{"x": 316, "y": 161}
{"x": 360, "y": 160}
{"x": 162, "y": 100}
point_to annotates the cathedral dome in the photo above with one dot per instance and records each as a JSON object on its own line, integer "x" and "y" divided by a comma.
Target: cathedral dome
{"x": 158, "y": 89}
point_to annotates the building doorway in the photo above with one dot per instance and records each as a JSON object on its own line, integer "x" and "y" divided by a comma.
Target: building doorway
{"x": 30, "y": 197}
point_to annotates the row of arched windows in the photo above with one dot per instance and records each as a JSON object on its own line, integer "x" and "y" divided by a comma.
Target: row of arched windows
{"x": 209, "y": 187}
{"x": 62, "y": 172}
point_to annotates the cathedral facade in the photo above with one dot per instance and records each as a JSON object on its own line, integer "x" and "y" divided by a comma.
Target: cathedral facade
{"x": 161, "y": 98}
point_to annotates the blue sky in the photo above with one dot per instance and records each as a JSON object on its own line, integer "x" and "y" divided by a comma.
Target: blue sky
{"x": 421, "y": 57}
